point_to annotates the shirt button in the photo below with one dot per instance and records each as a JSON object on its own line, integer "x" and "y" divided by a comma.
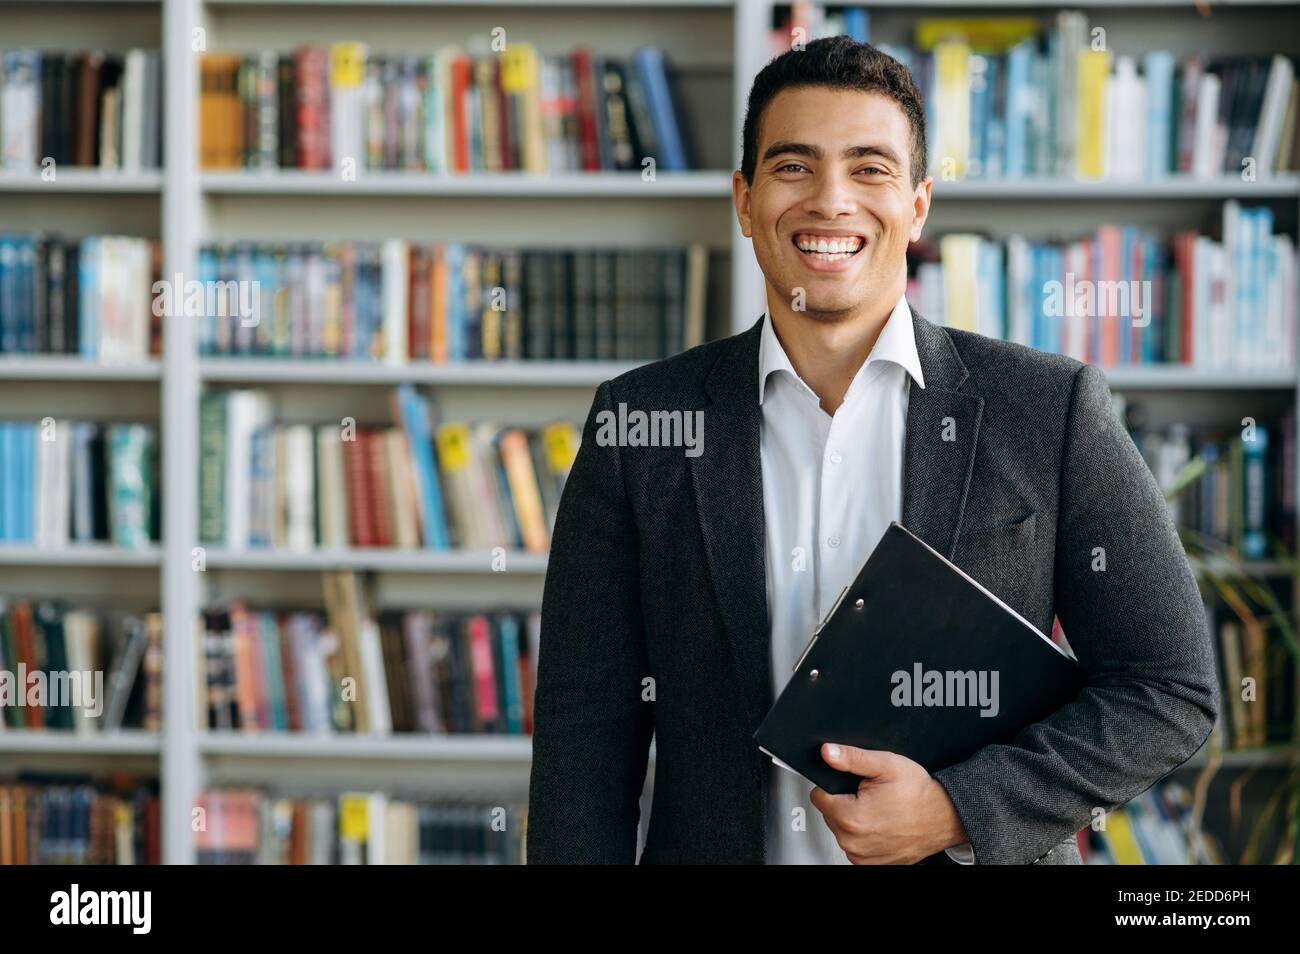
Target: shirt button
{"x": 833, "y": 542}
{"x": 836, "y": 458}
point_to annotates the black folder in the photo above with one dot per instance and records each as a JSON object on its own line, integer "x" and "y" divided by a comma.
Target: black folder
{"x": 917, "y": 658}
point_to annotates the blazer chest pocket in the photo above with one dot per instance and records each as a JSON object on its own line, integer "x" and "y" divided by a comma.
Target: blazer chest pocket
{"x": 989, "y": 542}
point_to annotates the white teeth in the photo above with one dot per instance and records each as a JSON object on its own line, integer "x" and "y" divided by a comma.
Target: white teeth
{"x": 829, "y": 250}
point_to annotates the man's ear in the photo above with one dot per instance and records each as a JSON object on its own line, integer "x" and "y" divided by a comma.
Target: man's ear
{"x": 921, "y": 207}
{"x": 740, "y": 198}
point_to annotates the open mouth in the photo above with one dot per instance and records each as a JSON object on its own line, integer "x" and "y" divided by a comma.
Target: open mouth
{"x": 828, "y": 248}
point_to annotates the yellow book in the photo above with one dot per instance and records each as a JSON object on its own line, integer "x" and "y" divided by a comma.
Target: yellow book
{"x": 952, "y": 129}
{"x": 1123, "y": 843}
{"x": 1090, "y": 125}
{"x": 521, "y": 79}
{"x": 960, "y": 254}
{"x": 347, "y": 65}
{"x": 986, "y": 34}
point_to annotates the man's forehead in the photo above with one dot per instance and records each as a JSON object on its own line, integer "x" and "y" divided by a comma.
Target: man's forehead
{"x": 864, "y": 111}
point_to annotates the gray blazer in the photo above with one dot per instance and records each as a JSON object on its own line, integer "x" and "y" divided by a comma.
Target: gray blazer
{"x": 654, "y": 615}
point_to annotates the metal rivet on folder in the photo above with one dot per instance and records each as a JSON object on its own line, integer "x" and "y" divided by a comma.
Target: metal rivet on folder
{"x": 813, "y": 674}
{"x": 860, "y": 603}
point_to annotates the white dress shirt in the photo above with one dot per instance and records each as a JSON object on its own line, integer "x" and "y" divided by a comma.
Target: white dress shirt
{"x": 831, "y": 485}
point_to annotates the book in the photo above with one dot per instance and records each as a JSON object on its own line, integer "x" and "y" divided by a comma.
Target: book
{"x": 351, "y": 108}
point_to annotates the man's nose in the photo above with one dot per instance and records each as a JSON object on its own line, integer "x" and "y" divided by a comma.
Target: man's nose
{"x": 830, "y": 196}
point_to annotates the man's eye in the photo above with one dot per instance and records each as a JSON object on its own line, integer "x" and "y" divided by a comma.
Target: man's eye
{"x": 791, "y": 167}
{"x": 874, "y": 171}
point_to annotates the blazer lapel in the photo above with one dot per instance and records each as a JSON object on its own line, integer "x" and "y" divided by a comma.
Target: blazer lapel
{"x": 942, "y": 431}
{"x": 728, "y": 481}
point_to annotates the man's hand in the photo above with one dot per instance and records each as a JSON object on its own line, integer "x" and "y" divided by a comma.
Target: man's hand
{"x": 899, "y": 814}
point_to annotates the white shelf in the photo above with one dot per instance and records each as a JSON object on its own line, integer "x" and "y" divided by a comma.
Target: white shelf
{"x": 1246, "y": 758}
{"x": 577, "y": 374}
{"x": 1174, "y": 187}
{"x": 567, "y": 185}
{"x": 58, "y": 367}
{"x": 103, "y": 555}
{"x": 62, "y": 742}
{"x": 83, "y": 180}
{"x": 280, "y": 745}
{"x": 381, "y": 559}
{"x": 1180, "y": 377}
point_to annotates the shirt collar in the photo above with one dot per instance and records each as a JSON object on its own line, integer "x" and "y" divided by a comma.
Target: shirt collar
{"x": 896, "y": 343}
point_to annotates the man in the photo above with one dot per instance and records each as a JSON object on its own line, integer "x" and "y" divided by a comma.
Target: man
{"x": 682, "y": 586}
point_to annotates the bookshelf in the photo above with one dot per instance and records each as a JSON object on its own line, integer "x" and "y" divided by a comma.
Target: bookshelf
{"x": 719, "y": 45}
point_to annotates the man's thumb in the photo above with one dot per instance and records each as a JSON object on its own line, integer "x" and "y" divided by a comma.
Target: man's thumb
{"x": 867, "y": 763}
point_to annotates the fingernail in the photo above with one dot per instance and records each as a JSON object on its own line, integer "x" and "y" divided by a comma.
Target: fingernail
{"x": 833, "y": 751}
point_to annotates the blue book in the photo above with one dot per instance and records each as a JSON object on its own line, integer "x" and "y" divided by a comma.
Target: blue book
{"x": 207, "y": 278}
{"x": 512, "y": 694}
{"x": 1019, "y": 60}
{"x": 25, "y": 435}
{"x": 1262, "y": 247}
{"x": 981, "y": 99}
{"x": 7, "y": 475}
{"x": 24, "y": 278}
{"x": 8, "y": 293}
{"x": 270, "y": 639}
{"x": 1158, "y": 67}
{"x": 1254, "y": 495}
{"x": 455, "y": 256}
{"x": 268, "y": 280}
{"x": 415, "y": 421}
{"x": 88, "y": 297}
{"x": 1128, "y": 238}
{"x": 649, "y": 64}
{"x": 857, "y": 23}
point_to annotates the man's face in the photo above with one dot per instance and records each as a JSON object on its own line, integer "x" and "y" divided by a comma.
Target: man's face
{"x": 831, "y": 209}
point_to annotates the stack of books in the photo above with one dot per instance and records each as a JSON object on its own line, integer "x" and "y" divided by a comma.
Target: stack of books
{"x": 80, "y": 109}
{"x": 1257, "y": 679}
{"x": 400, "y": 301}
{"x": 67, "y": 482}
{"x": 421, "y": 483}
{"x": 91, "y": 297}
{"x": 411, "y": 672}
{"x": 112, "y": 663}
{"x": 1153, "y": 829}
{"x": 1006, "y": 98}
{"x": 1243, "y": 497}
{"x": 81, "y": 822}
{"x": 247, "y": 826}
{"x": 1124, "y": 295}
{"x": 346, "y": 109}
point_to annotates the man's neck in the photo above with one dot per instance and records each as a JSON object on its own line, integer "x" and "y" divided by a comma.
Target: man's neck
{"x": 827, "y": 352}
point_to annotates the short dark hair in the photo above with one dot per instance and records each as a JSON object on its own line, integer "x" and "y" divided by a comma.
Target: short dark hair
{"x": 841, "y": 63}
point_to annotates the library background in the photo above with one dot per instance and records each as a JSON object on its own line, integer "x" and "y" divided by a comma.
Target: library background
{"x": 303, "y": 535}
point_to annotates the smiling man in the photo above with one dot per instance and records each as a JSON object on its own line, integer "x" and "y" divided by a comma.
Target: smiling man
{"x": 681, "y": 589}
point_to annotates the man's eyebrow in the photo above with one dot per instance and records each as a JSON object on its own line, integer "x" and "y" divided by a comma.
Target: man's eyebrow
{"x": 882, "y": 152}
{"x": 785, "y": 148}
{"x": 792, "y": 148}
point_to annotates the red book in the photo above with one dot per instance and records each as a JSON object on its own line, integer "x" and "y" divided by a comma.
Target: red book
{"x": 460, "y": 84}
{"x": 417, "y": 315}
{"x": 485, "y": 686}
{"x": 380, "y": 499}
{"x": 289, "y": 673}
{"x": 509, "y": 149}
{"x": 1111, "y": 268}
{"x": 311, "y": 64}
{"x": 356, "y": 477}
{"x": 586, "y": 109}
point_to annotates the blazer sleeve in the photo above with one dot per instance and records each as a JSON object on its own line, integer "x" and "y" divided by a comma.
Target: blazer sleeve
{"x": 1138, "y": 628}
{"x": 591, "y": 727}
